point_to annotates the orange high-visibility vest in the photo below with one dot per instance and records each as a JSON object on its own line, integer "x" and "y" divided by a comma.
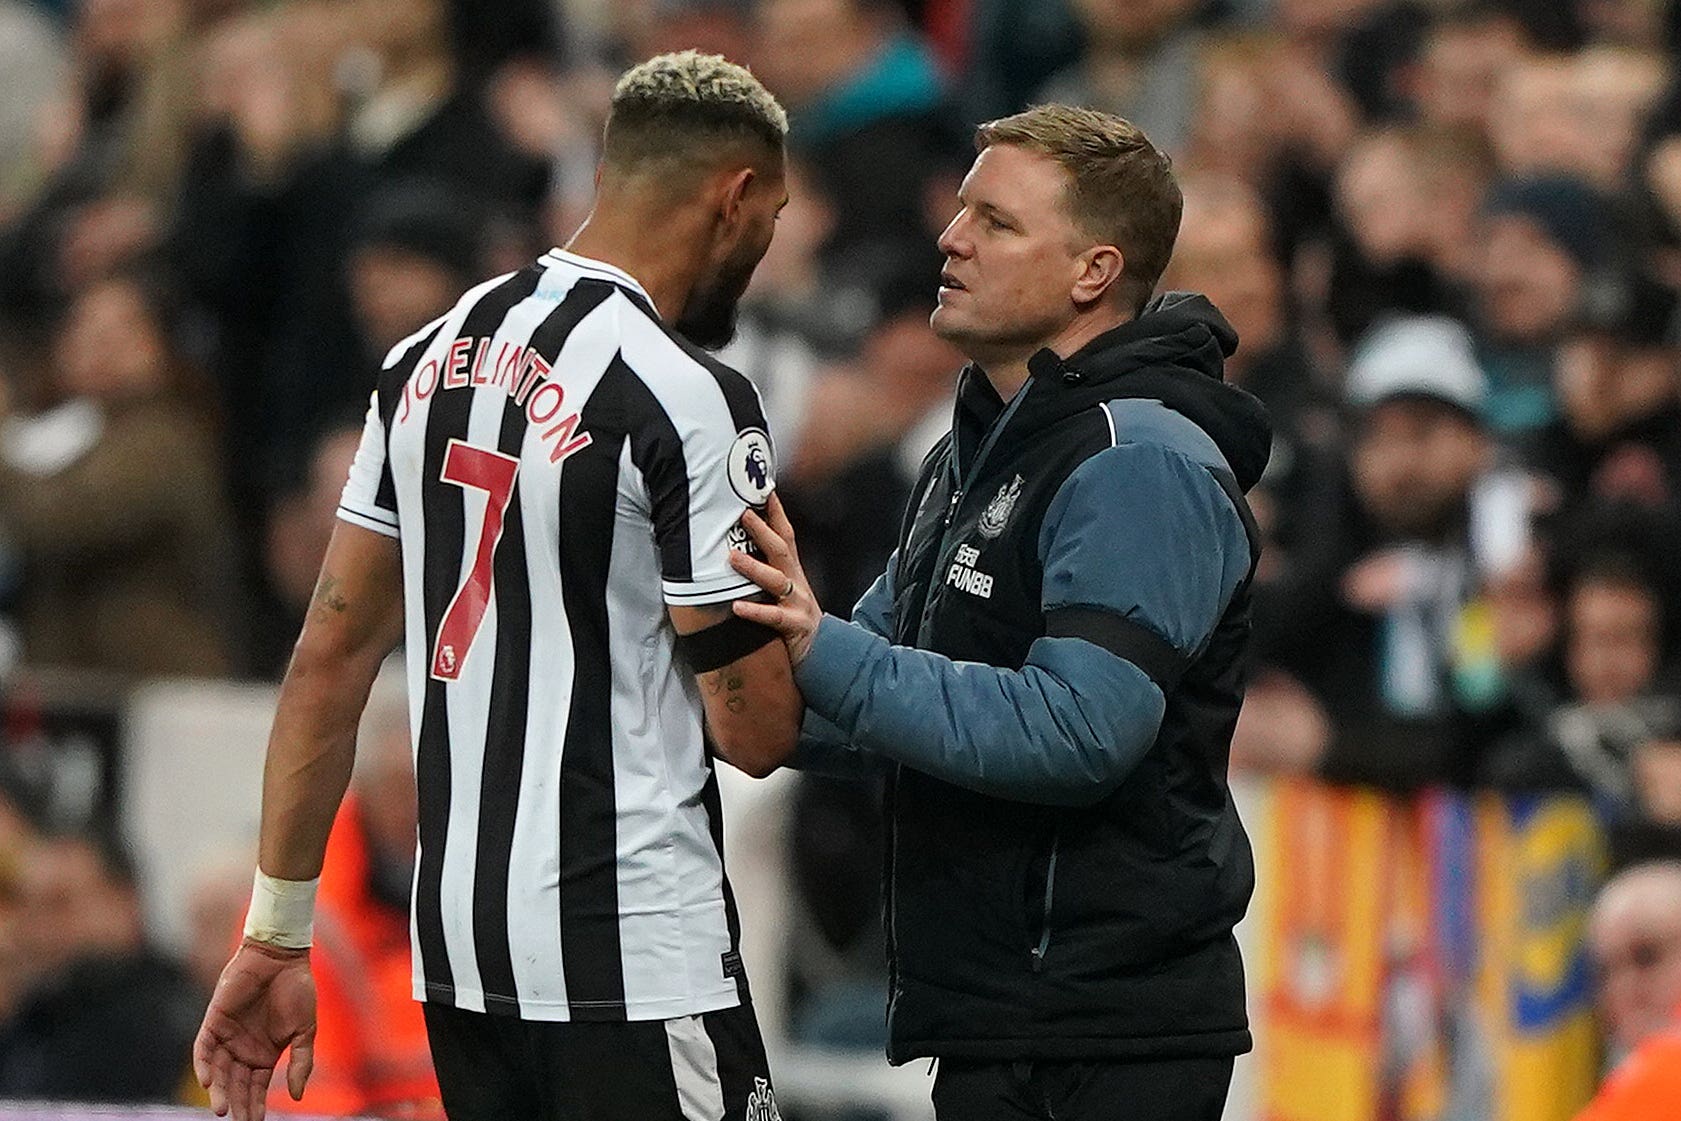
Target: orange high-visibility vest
{"x": 371, "y": 1053}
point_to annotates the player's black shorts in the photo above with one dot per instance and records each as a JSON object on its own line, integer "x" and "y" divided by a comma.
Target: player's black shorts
{"x": 696, "y": 1068}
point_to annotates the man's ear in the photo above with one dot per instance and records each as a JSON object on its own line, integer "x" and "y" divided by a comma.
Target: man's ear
{"x": 735, "y": 187}
{"x": 1100, "y": 270}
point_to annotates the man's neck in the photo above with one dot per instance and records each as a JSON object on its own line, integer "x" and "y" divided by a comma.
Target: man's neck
{"x": 1008, "y": 372}
{"x": 622, "y": 240}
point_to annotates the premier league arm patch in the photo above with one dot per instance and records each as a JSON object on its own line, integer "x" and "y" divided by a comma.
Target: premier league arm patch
{"x": 752, "y": 472}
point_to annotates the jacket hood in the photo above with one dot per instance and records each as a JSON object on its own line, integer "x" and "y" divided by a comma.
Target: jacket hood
{"x": 1175, "y": 353}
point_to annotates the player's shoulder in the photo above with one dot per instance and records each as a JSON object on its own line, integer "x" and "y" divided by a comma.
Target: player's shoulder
{"x": 672, "y": 365}
{"x": 657, "y": 338}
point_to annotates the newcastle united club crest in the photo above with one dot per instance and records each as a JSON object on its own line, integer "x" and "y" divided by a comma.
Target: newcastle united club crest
{"x": 997, "y": 512}
{"x": 761, "y": 1103}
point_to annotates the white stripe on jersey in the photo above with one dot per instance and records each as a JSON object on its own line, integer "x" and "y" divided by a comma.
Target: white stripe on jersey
{"x": 669, "y": 874}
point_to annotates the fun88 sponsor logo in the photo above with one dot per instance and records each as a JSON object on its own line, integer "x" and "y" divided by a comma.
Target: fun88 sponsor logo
{"x": 963, "y": 575}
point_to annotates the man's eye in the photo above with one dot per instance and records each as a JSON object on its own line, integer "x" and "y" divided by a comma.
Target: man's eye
{"x": 994, "y": 223}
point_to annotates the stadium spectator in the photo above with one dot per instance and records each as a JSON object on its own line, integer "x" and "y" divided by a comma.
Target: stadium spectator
{"x": 1141, "y": 62}
{"x": 1407, "y": 200}
{"x": 1224, "y": 252}
{"x": 370, "y": 1047}
{"x": 416, "y": 245}
{"x": 118, "y": 156}
{"x": 1542, "y": 240}
{"x": 1617, "y": 696}
{"x": 1381, "y": 661}
{"x": 871, "y": 118}
{"x": 1464, "y": 56}
{"x": 1617, "y": 384}
{"x": 1636, "y": 942}
{"x": 114, "y": 497}
{"x": 103, "y": 1017}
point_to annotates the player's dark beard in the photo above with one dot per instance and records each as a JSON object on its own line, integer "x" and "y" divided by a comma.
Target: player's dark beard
{"x": 708, "y": 319}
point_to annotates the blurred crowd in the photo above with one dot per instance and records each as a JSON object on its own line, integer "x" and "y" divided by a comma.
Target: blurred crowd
{"x": 1448, "y": 233}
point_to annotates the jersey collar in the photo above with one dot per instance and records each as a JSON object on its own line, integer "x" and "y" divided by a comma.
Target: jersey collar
{"x": 592, "y": 265}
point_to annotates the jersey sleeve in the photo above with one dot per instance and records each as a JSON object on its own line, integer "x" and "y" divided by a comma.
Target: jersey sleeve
{"x": 728, "y": 465}
{"x": 370, "y": 498}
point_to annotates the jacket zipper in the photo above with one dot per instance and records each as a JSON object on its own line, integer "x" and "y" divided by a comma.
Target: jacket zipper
{"x": 1044, "y": 945}
{"x": 892, "y": 901}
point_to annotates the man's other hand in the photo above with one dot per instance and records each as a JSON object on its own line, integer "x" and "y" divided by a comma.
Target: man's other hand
{"x": 264, "y": 1002}
{"x": 795, "y": 614}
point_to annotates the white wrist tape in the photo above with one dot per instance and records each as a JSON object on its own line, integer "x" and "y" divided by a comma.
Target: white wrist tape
{"x": 282, "y": 912}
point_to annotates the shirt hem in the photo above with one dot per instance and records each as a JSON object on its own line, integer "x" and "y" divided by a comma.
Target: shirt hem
{"x": 707, "y": 593}
{"x": 560, "y": 1011}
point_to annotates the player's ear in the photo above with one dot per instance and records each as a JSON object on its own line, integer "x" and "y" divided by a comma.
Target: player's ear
{"x": 732, "y": 209}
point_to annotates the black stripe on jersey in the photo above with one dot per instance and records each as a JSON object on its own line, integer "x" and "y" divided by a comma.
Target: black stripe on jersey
{"x": 443, "y": 516}
{"x": 589, "y": 885}
{"x": 715, "y": 825}
{"x": 390, "y": 386}
{"x": 510, "y": 687}
{"x": 657, "y": 450}
{"x": 739, "y": 395}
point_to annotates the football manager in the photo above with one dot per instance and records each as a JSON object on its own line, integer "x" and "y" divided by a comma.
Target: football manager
{"x": 1051, "y": 666}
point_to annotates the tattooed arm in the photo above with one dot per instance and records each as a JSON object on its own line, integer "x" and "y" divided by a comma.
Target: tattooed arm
{"x": 354, "y": 621}
{"x": 753, "y": 709}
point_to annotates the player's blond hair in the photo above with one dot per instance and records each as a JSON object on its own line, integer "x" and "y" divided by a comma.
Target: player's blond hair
{"x": 690, "y": 107}
{"x": 1121, "y": 189}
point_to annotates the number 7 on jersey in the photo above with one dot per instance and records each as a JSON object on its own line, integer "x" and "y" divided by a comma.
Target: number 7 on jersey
{"x": 494, "y": 473}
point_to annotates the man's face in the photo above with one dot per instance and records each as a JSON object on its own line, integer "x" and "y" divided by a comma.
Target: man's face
{"x": 1461, "y": 69}
{"x": 71, "y": 908}
{"x": 1414, "y": 463}
{"x": 708, "y": 319}
{"x": 394, "y": 291}
{"x": 1635, "y": 940}
{"x": 1222, "y": 252}
{"x": 110, "y": 345}
{"x": 1012, "y": 257}
{"x": 1527, "y": 286}
{"x": 1612, "y": 655}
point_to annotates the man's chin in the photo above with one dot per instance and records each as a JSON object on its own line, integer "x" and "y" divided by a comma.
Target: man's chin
{"x": 948, "y": 326}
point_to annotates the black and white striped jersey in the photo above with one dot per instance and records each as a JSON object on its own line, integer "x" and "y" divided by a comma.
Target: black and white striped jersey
{"x": 559, "y": 466}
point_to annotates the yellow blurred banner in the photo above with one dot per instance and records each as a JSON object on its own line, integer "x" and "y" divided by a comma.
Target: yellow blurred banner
{"x": 1422, "y": 958}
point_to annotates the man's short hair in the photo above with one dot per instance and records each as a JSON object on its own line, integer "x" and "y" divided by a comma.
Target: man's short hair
{"x": 690, "y": 108}
{"x": 1121, "y": 188}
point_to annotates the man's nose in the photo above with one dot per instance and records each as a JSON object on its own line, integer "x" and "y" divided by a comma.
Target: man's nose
{"x": 953, "y": 242}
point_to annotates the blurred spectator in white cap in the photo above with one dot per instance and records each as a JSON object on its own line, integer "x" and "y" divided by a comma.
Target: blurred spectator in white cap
{"x": 1382, "y": 667}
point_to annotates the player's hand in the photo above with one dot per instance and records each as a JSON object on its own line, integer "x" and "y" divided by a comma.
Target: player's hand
{"x": 264, "y": 1002}
{"x": 795, "y": 614}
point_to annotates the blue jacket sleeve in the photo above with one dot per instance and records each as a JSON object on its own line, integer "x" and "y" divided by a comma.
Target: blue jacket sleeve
{"x": 823, "y": 748}
{"x": 1140, "y": 534}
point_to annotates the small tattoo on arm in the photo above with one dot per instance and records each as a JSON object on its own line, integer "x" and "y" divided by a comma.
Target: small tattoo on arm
{"x": 328, "y": 596}
{"x": 732, "y": 682}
